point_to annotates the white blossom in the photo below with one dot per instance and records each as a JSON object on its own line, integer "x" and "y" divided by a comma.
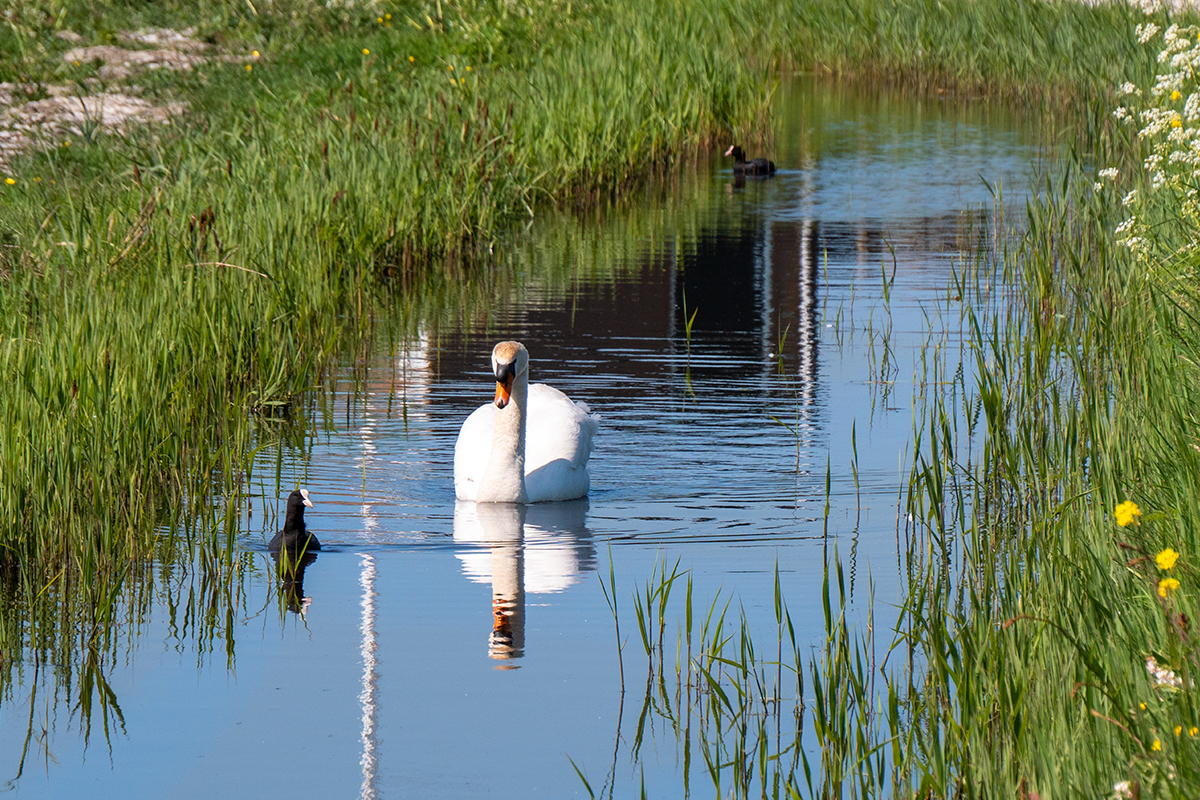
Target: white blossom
{"x": 1162, "y": 676}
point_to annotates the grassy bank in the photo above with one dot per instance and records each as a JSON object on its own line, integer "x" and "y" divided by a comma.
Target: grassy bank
{"x": 163, "y": 285}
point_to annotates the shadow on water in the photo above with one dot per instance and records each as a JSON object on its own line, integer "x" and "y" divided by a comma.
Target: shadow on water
{"x": 757, "y": 350}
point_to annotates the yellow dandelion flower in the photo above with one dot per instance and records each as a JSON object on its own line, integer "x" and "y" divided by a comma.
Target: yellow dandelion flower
{"x": 410, "y": 58}
{"x": 387, "y": 16}
{"x": 77, "y": 63}
{"x": 1178, "y": 729}
{"x": 67, "y": 143}
{"x": 1167, "y": 558}
{"x": 462, "y": 80}
{"x": 1167, "y": 585}
{"x": 37, "y": 180}
{"x": 1175, "y": 95}
{"x": 249, "y": 67}
{"x": 1127, "y": 512}
{"x": 366, "y": 52}
{"x": 1143, "y": 705}
{"x": 1192, "y": 731}
{"x": 1157, "y": 745}
{"x": 379, "y": 20}
{"x": 468, "y": 68}
{"x": 255, "y": 53}
{"x": 10, "y": 181}
{"x": 451, "y": 68}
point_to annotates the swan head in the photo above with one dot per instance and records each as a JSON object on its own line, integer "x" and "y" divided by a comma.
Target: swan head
{"x": 510, "y": 360}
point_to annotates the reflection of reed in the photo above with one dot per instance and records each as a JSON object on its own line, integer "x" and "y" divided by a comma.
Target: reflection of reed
{"x": 370, "y": 680}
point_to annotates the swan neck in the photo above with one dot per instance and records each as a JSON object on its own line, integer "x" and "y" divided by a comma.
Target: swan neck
{"x": 504, "y": 479}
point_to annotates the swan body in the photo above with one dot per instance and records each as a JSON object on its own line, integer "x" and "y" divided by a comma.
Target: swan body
{"x": 531, "y": 445}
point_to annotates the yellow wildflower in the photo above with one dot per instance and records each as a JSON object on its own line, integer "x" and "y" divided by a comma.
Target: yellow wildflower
{"x": 1157, "y": 745}
{"x": 1166, "y": 559}
{"x": 410, "y": 58}
{"x": 379, "y": 20}
{"x": 255, "y": 53}
{"x": 1178, "y": 729}
{"x": 1127, "y": 512}
{"x": 451, "y": 68}
{"x": 387, "y": 16}
{"x": 366, "y": 52}
{"x": 1176, "y": 122}
{"x": 10, "y": 181}
{"x": 1192, "y": 731}
{"x": 468, "y": 68}
{"x": 1175, "y": 95}
{"x": 1167, "y": 585}
{"x": 249, "y": 67}
{"x": 1143, "y": 705}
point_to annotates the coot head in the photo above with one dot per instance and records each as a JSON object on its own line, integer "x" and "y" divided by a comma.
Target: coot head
{"x": 297, "y": 501}
{"x": 736, "y": 152}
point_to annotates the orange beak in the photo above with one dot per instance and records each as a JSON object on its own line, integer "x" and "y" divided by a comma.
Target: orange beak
{"x": 503, "y": 391}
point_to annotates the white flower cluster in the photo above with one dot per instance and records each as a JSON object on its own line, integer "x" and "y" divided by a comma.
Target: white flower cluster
{"x": 1169, "y": 125}
{"x": 1162, "y": 676}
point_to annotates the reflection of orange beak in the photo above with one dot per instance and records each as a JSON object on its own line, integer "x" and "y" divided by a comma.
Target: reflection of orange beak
{"x": 503, "y": 391}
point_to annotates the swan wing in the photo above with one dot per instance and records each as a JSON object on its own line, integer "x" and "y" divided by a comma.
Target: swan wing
{"x": 558, "y": 443}
{"x": 472, "y": 450}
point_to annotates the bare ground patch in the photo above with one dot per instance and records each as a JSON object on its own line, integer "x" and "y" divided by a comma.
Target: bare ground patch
{"x": 69, "y": 111}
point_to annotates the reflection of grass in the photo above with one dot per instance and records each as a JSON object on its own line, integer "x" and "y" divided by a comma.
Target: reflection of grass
{"x": 728, "y": 705}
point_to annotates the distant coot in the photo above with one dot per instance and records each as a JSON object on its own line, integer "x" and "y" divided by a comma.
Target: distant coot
{"x": 294, "y": 537}
{"x": 755, "y": 166}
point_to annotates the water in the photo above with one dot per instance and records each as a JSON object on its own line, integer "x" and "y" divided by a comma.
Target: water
{"x": 437, "y": 651}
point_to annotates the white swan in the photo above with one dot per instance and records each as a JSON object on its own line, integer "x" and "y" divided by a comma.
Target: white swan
{"x": 501, "y": 458}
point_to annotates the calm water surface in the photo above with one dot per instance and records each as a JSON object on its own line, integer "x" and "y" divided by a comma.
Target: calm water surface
{"x": 821, "y": 298}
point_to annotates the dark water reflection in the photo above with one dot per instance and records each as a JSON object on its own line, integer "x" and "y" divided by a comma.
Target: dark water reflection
{"x": 744, "y": 343}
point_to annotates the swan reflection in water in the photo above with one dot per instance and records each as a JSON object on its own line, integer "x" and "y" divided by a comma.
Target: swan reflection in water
{"x": 538, "y": 549}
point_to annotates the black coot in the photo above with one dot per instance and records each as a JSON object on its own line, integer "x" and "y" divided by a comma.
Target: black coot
{"x": 294, "y": 537}
{"x": 755, "y": 166}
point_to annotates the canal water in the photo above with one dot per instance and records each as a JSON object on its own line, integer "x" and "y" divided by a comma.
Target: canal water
{"x": 759, "y": 352}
